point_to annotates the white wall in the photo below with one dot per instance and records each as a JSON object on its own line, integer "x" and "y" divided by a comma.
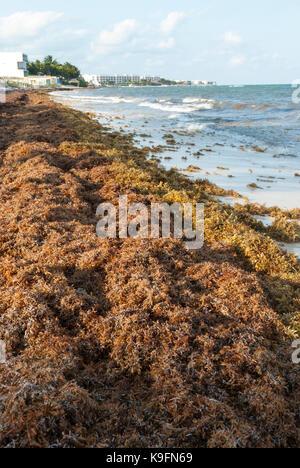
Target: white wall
{"x": 9, "y": 64}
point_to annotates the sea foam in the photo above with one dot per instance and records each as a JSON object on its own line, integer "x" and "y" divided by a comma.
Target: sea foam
{"x": 177, "y": 108}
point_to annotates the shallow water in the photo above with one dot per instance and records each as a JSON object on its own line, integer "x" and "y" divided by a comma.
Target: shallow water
{"x": 292, "y": 248}
{"x": 236, "y": 136}
{"x": 266, "y": 220}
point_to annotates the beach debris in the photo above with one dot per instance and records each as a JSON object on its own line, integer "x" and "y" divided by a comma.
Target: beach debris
{"x": 136, "y": 342}
{"x": 192, "y": 168}
{"x": 253, "y": 185}
{"x": 258, "y": 149}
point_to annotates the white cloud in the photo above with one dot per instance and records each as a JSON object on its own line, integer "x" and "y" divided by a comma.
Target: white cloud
{"x": 121, "y": 36}
{"x": 237, "y": 61}
{"x": 76, "y": 32}
{"x": 167, "y": 44}
{"x": 265, "y": 57}
{"x": 168, "y": 25}
{"x": 25, "y": 23}
{"x": 119, "y": 33}
{"x": 130, "y": 36}
{"x": 232, "y": 38}
{"x": 155, "y": 62}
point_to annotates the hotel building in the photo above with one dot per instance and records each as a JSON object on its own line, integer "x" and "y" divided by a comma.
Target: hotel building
{"x": 13, "y": 65}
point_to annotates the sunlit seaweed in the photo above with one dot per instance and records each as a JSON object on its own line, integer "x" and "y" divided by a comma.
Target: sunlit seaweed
{"x": 130, "y": 343}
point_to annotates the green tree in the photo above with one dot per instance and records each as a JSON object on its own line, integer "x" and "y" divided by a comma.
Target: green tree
{"x": 34, "y": 68}
{"x": 52, "y": 67}
{"x": 82, "y": 82}
{"x": 48, "y": 65}
{"x": 70, "y": 72}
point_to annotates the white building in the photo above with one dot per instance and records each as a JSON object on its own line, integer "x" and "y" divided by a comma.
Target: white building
{"x": 91, "y": 79}
{"x": 13, "y": 65}
{"x": 150, "y": 78}
{"x": 118, "y": 79}
{"x": 40, "y": 81}
{"x": 98, "y": 80}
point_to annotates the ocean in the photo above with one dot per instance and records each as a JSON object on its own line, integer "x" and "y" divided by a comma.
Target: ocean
{"x": 244, "y": 138}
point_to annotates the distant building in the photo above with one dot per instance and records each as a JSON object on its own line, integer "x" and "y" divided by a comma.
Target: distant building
{"x": 91, "y": 79}
{"x": 119, "y": 80}
{"x": 150, "y": 78}
{"x": 13, "y": 65}
{"x": 98, "y": 80}
{"x": 34, "y": 81}
{"x": 74, "y": 82}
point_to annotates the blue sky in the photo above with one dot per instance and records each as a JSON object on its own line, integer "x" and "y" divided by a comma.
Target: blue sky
{"x": 230, "y": 41}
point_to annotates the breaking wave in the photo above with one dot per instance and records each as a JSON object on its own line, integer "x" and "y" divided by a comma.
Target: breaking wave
{"x": 184, "y": 106}
{"x": 177, "y": 108}
{"x": 100, "y": 99}
{"x": 190, "y": 100}
{"x": 193, "y": 128}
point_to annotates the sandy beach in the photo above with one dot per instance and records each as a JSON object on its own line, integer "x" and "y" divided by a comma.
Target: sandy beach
{"x": 122, "y": 343}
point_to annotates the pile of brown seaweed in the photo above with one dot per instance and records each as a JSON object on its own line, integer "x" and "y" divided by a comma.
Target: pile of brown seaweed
{"x": 132, "y": 343}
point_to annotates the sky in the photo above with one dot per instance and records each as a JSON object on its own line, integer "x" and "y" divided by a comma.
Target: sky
{"x": 231, "y": 42}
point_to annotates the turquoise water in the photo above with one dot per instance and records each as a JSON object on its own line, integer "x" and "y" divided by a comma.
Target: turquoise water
{"x": 245, "y": 135}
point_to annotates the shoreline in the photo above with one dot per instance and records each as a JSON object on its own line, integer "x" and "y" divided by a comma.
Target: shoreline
{"x": 196, "y": 344}
{"x": 233, "y": 162}
{"x": 167, "y": 147}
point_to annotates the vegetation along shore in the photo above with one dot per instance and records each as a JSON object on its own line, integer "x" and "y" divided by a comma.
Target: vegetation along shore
{"x": 135, "y": 343}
